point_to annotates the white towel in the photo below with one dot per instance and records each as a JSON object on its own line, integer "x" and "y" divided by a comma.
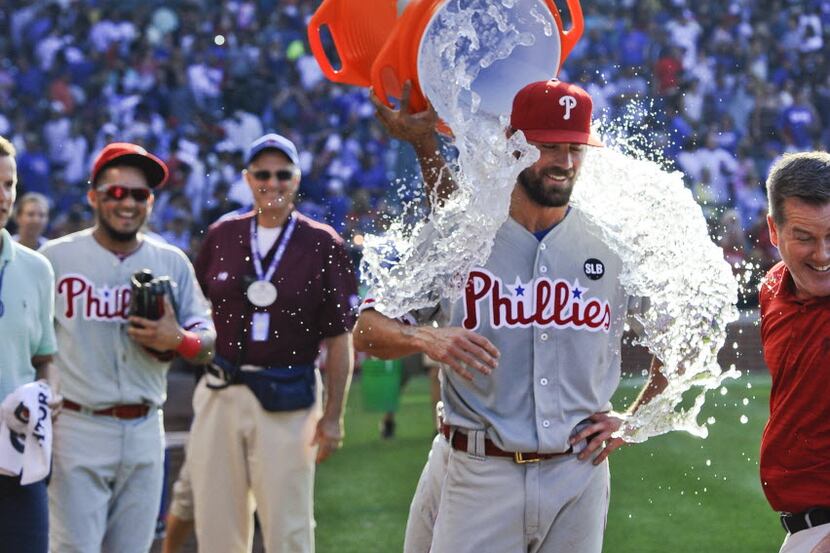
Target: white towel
{"x": 26, "y": 445}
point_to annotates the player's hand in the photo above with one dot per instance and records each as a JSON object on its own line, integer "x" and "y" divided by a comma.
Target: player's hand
{"x": 328, "y": 437}
{"x": 55, "y": 405}
{"x": 415, "y": 128}
{"x": 164, "y": 334}
{"x": 599, "y": 431}
{"x": 461, "y": 350}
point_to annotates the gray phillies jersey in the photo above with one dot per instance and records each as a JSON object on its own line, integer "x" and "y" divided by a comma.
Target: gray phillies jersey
{"x": 99, "y": 364}
{"x": 555, "y": 310}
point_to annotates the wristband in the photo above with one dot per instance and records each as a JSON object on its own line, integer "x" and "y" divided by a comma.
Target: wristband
{"x": 190, "y": 345}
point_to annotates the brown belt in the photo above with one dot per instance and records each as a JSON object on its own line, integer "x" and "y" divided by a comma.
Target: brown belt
{"x": 459, "y": 441}
{"x": 125, "y": 412}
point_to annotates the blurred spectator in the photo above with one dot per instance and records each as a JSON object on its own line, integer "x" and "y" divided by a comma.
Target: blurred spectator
{"x": 732, "y": 239}
{"x": 177, "y": 232}
{"x": 31, "y": 214}
{"x": 33, "y": 167}
{"x": 719, "y": 166}
{"x": 800, "y": 121}
{"x": 195, "y": 80}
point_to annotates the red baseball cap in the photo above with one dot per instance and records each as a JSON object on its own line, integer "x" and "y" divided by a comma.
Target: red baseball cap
{"x": 555, "y": 112}
{"x": 132, "y": 154}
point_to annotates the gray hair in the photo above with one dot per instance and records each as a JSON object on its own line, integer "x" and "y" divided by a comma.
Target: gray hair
{"x": 805, "y": 175}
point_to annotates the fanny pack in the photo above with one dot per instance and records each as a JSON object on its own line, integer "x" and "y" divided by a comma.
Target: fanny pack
{"x": 276, "y": 388}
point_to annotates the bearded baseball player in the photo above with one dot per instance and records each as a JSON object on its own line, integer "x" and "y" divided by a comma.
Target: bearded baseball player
{"x": 109, "y": 441}
{"x": 531, "y": 353}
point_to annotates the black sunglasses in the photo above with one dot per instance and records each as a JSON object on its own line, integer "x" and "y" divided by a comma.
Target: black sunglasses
{"x": 119, "y": 192}
{"x": 265, "y": 174}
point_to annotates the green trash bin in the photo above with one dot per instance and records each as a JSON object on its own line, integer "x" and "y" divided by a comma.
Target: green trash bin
{"x": 381, "y": 384}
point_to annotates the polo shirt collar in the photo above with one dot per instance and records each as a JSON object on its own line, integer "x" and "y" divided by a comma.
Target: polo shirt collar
{"x": 784, "y": 286}
{"x": 785, "y": 289}
{"x": 8, "y": 252}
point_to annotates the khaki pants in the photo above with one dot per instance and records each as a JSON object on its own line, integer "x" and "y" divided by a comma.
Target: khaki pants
{"x": 242, "y": 458}
{"x": 181, "y": 502}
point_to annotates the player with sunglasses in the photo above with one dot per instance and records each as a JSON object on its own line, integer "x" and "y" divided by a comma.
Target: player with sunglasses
{"x": 108, "y": 443}
{"x": 120, "y": 192}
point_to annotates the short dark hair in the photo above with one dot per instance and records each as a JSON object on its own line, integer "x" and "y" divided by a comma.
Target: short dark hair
{"x": 805, "y": 175}
{"x": 7, "y": 148}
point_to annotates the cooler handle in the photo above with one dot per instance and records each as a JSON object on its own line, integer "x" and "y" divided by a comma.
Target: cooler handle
{"x": 320, "y": 19}
{"x": 570, "y": 37}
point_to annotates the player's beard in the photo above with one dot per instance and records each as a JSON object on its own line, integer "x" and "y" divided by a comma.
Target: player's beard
{"x": 532, "y": 184}
{"x": 117, "y": 235}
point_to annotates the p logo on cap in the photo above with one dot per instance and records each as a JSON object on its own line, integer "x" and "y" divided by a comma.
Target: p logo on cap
{"x": 568, "y": 102}
{"x": 554, "y": 112}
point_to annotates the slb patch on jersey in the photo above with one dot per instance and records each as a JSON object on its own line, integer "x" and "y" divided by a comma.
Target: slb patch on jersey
{"x": 594, "y": 269}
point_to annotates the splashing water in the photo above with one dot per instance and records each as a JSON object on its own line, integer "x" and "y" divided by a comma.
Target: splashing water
{"x": 410, "y": 267}
{"x": 643, "y": 212}
{"x": 650, "y": 219}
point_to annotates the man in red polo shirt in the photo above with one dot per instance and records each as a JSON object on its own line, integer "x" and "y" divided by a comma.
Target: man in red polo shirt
{"x": 795, "y": 332}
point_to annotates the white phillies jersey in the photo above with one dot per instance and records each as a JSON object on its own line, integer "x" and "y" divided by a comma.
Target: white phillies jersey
{"x": 555, "y": 310}
{"x": 99, "y": 364}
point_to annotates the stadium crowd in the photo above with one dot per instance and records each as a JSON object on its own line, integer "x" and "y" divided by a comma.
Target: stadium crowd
{"x": 728, "y": 86}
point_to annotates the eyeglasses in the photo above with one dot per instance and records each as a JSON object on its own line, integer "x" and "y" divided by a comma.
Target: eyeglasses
{"x": 265, "y": 174}
{"x": 119, "y": 192}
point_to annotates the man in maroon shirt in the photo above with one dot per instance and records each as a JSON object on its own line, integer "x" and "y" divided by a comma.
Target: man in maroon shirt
{"x": 281, "y": 285}
{"x": 795, "y": 332}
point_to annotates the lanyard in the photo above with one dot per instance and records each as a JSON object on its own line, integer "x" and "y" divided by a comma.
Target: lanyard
{"x": 272, "y": 268}
{"x": 2, "y": 272}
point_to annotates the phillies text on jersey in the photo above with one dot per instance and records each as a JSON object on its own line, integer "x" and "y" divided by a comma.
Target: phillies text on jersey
{"x": 541, "y": 302}
{"x": 81, "y": 298}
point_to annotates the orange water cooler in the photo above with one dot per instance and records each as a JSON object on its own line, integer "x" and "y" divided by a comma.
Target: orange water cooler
{"x": 381, "y": 44}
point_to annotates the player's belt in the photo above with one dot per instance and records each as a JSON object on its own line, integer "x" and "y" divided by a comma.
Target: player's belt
{"x": 458, "y": 440}
{"x": 796, "y": 522}
{"x": 125, "y": 412}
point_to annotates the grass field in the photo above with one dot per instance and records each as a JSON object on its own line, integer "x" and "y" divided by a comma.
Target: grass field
{"x": 673, "y": 493}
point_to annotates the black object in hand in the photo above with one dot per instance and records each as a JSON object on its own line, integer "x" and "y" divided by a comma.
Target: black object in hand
{"x": 147, "y": 295}
{"x": 147, "y": 301}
